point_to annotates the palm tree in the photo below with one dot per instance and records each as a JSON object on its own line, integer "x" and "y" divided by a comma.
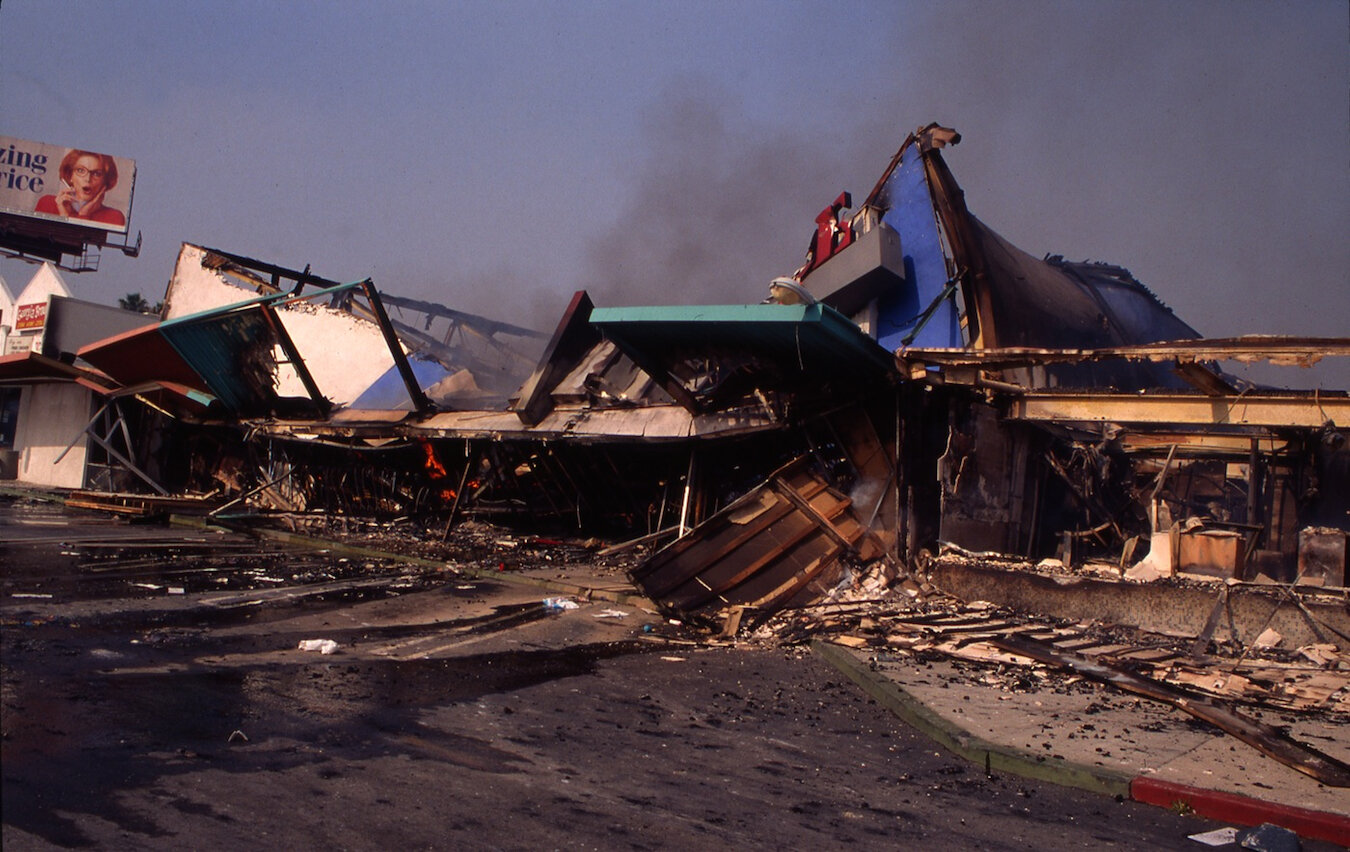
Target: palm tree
{"x": 135, "y": 302}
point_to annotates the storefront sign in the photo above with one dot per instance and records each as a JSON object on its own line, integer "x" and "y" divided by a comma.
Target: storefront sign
{"x": 28, "y": 317}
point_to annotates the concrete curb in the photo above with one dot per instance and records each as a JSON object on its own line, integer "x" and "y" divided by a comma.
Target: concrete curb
{"x": 992, "y": 756}
{"x": 1243, "y": 810}
{"x": 39, "y": 494}
{"x": 1213, "y": 804}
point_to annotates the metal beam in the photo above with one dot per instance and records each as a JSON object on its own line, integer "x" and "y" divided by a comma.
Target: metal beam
{"x": 296, "y": 362}
{"x": 104, "y": 443}
{"x": 1304, "y": 411}
{"x": 419, "y": 399}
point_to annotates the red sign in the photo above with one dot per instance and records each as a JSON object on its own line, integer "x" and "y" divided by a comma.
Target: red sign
{"x": 30, "y": 316}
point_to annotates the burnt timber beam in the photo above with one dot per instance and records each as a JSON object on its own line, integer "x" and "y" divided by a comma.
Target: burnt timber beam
{"x": 1306, "y": 411}
{"x": 1196, "y": 443}
{"x": 573, "y": 336}
{"x": 487, "y": 326}
{"x": 1279, "y": 350}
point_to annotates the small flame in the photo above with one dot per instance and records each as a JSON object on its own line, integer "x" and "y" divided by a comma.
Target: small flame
{"x": 435, "y": 470}
{"x": 433, "y": 465}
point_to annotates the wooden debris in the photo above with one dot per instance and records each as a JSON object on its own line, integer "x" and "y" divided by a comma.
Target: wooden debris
{"x": 850, "y": 641}
{"x": 1265, "y": 738}
{"x": 1323, "y": 654}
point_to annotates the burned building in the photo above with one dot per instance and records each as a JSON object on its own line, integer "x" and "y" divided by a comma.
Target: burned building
{"x": 918, "y": 383}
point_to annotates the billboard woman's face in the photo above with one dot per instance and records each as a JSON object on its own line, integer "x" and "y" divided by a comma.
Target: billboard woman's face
{"x": 87, "y": 177}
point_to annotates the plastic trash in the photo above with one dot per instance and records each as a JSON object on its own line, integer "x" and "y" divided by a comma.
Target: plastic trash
{"x": 1217, "y": 837}
{"x": 611, "y": 613}
{"x": 1269, "y": 838}
{"x": 323, "y": 646}
{"x": 559, "y": 604}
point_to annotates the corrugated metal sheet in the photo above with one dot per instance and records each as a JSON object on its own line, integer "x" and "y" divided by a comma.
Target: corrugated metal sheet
{"x": 233, "y": 353}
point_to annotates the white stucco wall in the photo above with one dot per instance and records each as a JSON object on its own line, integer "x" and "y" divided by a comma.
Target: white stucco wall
{"x": 344, "y": 354}
{"x": 50, "y": 417}
{"x": 6, "y": 312}
{"x": 45, "y": 282}
{"x": 194, "y": 288}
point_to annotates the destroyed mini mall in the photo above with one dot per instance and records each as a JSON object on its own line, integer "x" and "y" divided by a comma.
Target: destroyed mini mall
{"x": 924, "y": 443}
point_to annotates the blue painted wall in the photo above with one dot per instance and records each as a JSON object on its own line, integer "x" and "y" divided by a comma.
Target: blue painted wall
{"x": 912, "y": 216}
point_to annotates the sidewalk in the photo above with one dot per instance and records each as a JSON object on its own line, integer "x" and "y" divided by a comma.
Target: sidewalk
{"x": 1105, "y": 741}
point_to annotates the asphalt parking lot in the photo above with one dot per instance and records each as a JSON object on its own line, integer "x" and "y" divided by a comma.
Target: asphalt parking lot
{"x": 454, "y": 713}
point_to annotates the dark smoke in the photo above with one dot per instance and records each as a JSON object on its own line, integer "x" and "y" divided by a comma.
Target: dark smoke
{"x": 718, "y": 206}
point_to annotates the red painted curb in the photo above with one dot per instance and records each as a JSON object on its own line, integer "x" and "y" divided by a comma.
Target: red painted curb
{"x": 1242, "y": 810}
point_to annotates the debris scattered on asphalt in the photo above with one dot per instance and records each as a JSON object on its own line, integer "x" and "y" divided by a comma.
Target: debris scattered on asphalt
{"x": 1269, "y": 838}
{"x": 1217, "y": 837}
{"x": 323, "y": 646}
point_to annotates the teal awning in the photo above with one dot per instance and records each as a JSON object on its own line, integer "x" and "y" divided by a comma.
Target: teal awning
{"x": 779, "y": 346}
{"x": 807, "y": 338}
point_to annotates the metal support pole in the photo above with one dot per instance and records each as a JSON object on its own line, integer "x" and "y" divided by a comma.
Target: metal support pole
{"x": 688, "y": 488}
{"x": 419, "y": 399}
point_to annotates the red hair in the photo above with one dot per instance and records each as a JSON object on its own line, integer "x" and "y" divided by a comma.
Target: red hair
{"x": 106, "y": 163}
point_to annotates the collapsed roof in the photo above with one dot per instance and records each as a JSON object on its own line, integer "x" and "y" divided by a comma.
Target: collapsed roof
{"x": 912, "y": 269}
{"x": 947, "y": 386}
{"x": 232, "y": 332}
{"x": 932, "y": 275}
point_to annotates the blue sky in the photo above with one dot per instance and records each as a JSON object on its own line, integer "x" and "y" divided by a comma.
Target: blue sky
{"x": 497, "y": 156}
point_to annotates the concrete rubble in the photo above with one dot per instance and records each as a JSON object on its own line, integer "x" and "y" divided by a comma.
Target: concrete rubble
{"x": 973, "y": 479}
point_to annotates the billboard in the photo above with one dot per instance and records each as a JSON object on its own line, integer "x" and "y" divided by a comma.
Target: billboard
{"x": 70, "y": 185}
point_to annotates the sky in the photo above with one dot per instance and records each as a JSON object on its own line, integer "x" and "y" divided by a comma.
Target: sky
{"x": 498, "y": 156}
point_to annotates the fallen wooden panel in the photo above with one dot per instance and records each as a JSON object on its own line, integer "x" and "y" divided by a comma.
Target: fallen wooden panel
{"x": 762, "y": 551}
{"x": 140, "y": 504}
